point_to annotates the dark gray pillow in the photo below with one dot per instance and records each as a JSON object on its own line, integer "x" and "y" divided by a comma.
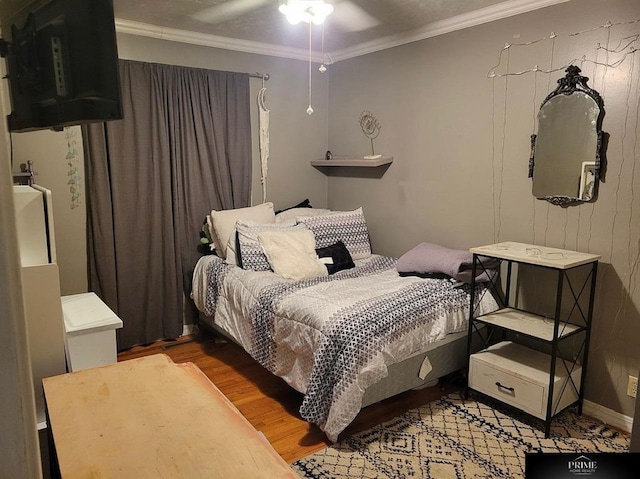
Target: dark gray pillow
{"x": 303, "y": 204}
{"x": 340, "y": 256}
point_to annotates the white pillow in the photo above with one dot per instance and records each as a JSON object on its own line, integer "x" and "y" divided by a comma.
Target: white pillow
{"x": 210, "y": 231}
{"x": 293, "y": 213}
{"x": 250, "y": 256}
{"x": 292, "y": 254}
{"x": 224, "y": 222}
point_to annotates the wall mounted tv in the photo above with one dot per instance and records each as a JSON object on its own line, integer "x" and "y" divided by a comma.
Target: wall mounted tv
{"x": 62, "y": 64}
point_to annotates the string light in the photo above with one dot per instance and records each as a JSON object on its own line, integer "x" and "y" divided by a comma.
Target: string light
{"x": 631, "y": 50}
{"x": 615, "y": 64}
{"x": 624, "y": 50}
{"x": 606, "y": 25}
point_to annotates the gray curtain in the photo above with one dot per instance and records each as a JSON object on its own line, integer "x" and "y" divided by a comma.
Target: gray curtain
{"x": 182, "y": 149}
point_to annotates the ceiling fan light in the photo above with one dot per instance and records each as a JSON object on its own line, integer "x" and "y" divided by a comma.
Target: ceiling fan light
{"x": 292, "y": 16}
{"x": 322, "y": 9}
{"x": 308, "y": 11}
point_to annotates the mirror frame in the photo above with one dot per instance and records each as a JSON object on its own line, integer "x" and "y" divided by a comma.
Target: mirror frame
{"x": 571, "y": 83}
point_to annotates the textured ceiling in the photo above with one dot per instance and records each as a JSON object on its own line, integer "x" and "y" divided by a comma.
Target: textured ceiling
{"x": 260, "y": 21}
{"x": 356, "y": 27}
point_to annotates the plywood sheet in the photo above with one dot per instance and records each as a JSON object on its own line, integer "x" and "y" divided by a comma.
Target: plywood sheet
{"x": 151, "y": 418}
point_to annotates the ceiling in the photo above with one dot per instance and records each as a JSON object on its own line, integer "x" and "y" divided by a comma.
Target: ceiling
{"x": 354, "y": 28}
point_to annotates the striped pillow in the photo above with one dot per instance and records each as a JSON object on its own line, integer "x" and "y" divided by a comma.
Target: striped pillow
{"x": 350, "y": 227}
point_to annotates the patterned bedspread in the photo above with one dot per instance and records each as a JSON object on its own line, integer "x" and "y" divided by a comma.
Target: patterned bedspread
{"x": 332, "y": 337}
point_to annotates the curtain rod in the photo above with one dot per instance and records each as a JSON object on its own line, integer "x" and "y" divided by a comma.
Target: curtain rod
{"x": 264, "y": 76}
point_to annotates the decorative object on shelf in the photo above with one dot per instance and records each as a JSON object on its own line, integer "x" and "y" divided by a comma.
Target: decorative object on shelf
{"x": 26, "y": 176}
{"x": 567, "y": 154}
{"x": 371, "y": 129}
{"x": 328, "y": 155}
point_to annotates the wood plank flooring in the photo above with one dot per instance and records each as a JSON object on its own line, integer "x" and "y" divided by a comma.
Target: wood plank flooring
{"x": 267, "y": 402}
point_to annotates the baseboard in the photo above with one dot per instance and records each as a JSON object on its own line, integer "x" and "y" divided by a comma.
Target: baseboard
{"x": 607, "y": 416}
{"x": 188, "y": 329}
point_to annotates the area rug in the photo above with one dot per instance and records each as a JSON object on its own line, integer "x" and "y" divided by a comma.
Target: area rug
{"x": 454, "y": 438}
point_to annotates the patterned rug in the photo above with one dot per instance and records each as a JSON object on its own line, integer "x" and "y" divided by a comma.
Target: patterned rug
{"x": 453, "y": 438}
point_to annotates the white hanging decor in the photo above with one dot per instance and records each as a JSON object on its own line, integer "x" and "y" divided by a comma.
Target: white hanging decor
{"x": 263, "y": 140}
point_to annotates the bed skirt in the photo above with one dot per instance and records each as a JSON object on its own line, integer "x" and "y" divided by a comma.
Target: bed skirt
{"x": 446, "y": 356}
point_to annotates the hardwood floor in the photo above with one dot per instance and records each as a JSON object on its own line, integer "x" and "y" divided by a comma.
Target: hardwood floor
{"x": 267, "y": 402}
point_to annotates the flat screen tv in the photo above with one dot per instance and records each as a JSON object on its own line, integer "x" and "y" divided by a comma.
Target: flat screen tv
{"x": 62, "y": 64}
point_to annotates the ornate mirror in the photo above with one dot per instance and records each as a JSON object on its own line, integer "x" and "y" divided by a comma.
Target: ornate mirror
{"x": 566, "y": 160}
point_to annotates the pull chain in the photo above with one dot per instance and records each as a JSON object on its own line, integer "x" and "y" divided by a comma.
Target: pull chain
{"x": 310, "y": 109}
{"x": 322, "y": 68}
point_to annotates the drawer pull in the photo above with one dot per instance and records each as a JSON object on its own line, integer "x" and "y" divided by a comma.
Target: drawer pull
{"x": 502, "y": 386}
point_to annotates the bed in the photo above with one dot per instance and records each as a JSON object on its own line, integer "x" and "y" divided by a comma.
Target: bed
{"x": 344, "y": 340}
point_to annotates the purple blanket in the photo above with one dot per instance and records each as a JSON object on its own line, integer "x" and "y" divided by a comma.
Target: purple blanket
{"x": 429, "y": 258}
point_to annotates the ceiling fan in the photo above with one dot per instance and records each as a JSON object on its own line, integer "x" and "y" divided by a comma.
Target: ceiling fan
{"x": 346, "y": 15}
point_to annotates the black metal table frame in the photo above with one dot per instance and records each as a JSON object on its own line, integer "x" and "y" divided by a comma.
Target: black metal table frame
{"x": 494, "y": 287}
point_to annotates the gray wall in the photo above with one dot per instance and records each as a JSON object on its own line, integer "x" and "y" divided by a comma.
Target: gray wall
{"x": 459, "y": 176}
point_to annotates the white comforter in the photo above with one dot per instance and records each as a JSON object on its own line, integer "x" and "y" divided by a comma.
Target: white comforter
{"x": 332, "y": 337}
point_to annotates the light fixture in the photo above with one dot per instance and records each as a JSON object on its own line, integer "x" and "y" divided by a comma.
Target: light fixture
{"x": 313, "y": 12}
{"x": 308, "y": 11}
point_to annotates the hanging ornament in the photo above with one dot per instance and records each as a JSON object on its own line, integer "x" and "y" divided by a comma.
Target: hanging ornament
{"x": 322, "y": 68}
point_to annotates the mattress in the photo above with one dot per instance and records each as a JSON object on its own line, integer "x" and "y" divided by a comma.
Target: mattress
{"x": 332, "y": 337}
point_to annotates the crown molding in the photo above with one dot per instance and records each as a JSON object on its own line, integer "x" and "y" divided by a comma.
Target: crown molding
{"x": 499, "y": 11}
{"x": 213, "y": 41}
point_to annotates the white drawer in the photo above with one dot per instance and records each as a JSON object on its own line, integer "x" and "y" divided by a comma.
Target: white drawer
{"x": 519, "y": 376}
{"x": 508, "y": 388}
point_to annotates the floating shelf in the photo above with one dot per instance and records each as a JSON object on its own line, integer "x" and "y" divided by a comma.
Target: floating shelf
{"x": 353, "y": 161}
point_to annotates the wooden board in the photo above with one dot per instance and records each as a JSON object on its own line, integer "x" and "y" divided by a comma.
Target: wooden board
{"x": 150, "y": 418}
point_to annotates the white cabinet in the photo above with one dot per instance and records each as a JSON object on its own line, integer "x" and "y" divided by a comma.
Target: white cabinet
{"x": 538, "y": 378}
{"x": 90, "y": 327}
